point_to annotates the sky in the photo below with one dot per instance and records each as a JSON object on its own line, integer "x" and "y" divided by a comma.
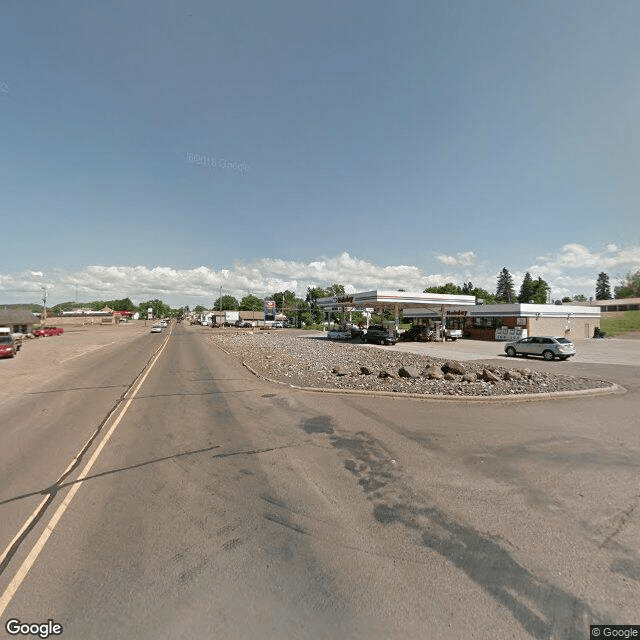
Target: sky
{"x": 167, "y": 149}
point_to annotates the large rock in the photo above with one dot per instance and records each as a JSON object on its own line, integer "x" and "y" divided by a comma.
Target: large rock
{"x": 489, "y": 376}
{"x": 339, "y": 370}
{"x": 449, "y": 376}
{"x": 453, "y": 366}
{"x": 408, "y": 372}
{"x": 469, "y": 377}
{"x": 385, "y": 373}
{"x": 433, "y": 373}
{"x": 366, "y": 371}
{"x": 512, "y": 375}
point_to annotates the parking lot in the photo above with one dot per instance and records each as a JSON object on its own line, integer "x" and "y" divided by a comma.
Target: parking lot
{"x": 42, "y": 359}
{"x": 608, "y": 351}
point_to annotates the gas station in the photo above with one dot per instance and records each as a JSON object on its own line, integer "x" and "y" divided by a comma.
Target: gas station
{"x": 378, "y": 301}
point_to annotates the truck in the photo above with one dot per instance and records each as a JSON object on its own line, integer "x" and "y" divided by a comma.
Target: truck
{"x": 231, "y": 317}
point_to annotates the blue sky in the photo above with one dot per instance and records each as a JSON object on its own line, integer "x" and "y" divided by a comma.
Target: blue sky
{"x": 167, "y": 148}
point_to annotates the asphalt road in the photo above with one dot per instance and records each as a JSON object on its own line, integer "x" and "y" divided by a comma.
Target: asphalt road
{"x": 222, "y": 506}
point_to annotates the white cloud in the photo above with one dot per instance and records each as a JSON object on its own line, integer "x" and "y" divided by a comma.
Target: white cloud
{"x": 577, "y": 256}
{"x": 261, "y": 277}
{"x": 573, "y": 269}
{"x": 465, "y": 258}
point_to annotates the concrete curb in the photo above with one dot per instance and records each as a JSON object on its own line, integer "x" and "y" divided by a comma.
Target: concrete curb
{"x": 524, "y": 397}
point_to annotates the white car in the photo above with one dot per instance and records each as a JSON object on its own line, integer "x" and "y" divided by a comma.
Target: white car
{"x": 156, "y": 328}
{"x": 546, "y": 346}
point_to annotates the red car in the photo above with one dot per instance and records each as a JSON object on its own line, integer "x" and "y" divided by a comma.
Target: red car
{"x": 7, "y": 347}
{"x": 48, "y": 331}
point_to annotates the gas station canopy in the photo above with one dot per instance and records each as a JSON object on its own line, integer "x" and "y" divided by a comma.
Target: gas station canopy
{"x": 394, "y": 300}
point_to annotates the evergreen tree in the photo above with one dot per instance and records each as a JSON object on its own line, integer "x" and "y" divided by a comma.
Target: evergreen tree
{"x": 504, "y": 289}
{"x": 603, "y": 287}
{"x": 526, "y": 289}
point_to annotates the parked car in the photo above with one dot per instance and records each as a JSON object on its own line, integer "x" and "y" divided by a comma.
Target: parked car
{"x": 546, "y": 346}
{"x": 48, "y": 331}
{"x": 156, "y": 328}
{"x": 244, "y": 324}
{"x": 418, "y": 333}
{"x": 452, "y": 334}
{"x": 278, "y": 324}
{"x": 357, "y": 332}
{"x": 164, "y": 324}
{"x": 7, "y": 347}
{"x": 378, "y": 334}
{"x": 339, "y": 334}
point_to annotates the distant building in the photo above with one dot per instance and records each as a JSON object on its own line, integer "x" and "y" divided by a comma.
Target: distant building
{"x": 18, "y": 320}
{"x": 617, "y": 306}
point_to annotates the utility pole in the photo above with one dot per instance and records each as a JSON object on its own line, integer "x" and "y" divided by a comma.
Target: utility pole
{"x": 44, "y": 306}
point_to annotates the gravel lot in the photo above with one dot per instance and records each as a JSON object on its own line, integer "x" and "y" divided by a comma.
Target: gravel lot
{"x": 315, "y": 361}
{"x": 41, "y": 360}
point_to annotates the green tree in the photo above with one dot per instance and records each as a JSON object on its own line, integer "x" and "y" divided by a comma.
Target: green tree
{"x": 526, "y": 289}
{"x": 467, "y": 288}
{"x": 251, "y": 303}
{"x": 540, "y": 291}
{"x": 199, "y": 309}
{"x": 285, "y": 301}
{"x": 483, "y": 294}
{"x": 448, "y": 288}
{"x": 313, "y": 293}
{"x": 335, "y": 290}
{"x": 566, "y": 299}
{"x": 629, "y": 286}
{"x": 579, "y": 298}
{"x": 226, "y": 303}
{"x": 603, "y": 287}
{"x": 504, "y": 288}
{"x": 160, "y": 309}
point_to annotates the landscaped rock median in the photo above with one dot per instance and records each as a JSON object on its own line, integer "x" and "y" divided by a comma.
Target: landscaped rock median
{"x": 317, "y": 362}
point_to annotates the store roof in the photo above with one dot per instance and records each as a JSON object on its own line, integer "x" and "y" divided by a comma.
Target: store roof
{"x": 505, "y": 310}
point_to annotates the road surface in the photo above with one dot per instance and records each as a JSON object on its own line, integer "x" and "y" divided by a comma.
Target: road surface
{"x": 159, "y": 490}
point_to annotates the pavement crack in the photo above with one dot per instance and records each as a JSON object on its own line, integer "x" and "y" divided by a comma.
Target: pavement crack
{"x": 624, "y": 518}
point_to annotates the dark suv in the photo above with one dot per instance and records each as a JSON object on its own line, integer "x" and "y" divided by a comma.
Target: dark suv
{"x": 378, "y": 334}
{"x": 418, "y": 333}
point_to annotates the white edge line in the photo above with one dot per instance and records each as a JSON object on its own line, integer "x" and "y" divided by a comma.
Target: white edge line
{"x": 29, "y": 561}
